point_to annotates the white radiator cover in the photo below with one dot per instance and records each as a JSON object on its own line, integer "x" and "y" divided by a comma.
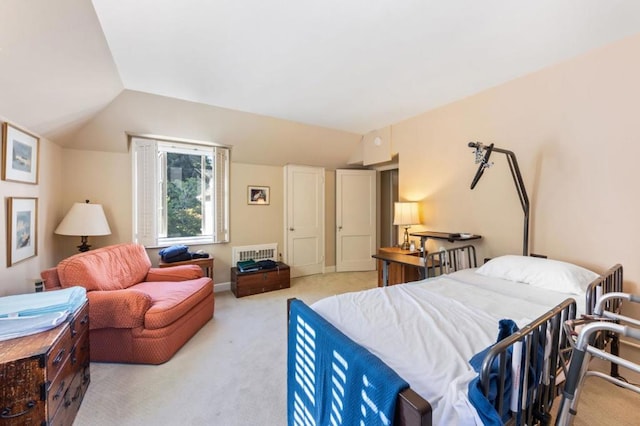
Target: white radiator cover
{"x": 255, "y": 252}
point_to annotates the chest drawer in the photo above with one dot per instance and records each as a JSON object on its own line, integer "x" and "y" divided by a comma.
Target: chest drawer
{"x": 248, "y": 283}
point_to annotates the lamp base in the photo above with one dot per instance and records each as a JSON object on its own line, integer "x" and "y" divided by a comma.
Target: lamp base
{"x": 406, "y": 245}
{"x": 84, "y": 246}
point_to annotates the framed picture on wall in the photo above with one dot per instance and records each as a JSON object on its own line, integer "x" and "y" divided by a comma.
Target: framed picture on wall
{"x": 22, "y": 228}
{"x": 20, "y": 151}
{"x": 258, "y": 195}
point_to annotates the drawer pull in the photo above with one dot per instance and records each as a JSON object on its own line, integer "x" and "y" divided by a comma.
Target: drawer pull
{"x": 77, "y": 394}
{"x": 6, "y": 411}
{"x": 85, "y": 319}
{"x": 73, "y": 331}
{"x": 59, "y": 393}
{"x": 58, "y": 358}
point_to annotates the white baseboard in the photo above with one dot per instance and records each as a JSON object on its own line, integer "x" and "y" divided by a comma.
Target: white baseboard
{"x": 328, "y": 269}
{"x": 220, "y": 287}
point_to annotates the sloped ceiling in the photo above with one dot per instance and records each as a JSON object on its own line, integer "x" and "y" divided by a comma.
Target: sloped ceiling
{"x": 56, "y": 70}
{"x": 353, "y": 66}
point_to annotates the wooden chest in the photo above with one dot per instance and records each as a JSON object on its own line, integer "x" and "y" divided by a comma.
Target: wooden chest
{"x": 43, "y": 377}
{"x": 248, "y": 283}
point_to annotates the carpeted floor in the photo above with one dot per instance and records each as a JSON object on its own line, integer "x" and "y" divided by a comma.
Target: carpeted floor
{"x": 233, "y": 372}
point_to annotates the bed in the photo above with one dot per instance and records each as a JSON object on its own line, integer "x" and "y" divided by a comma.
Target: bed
{"x": 460, "y": 364}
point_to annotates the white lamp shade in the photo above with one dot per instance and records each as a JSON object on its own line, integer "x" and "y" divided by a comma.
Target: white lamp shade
{"x": 84, "y": 219}
{"x": 406, "y": 214}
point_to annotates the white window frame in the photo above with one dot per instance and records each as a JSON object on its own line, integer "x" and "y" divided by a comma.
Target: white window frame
{"x": 148, "y": 190}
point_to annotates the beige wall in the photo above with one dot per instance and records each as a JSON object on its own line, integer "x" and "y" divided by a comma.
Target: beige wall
{"x": 573, "y": 128}
{"x": 105, "y": 178}
{"x": 19, "y": 278}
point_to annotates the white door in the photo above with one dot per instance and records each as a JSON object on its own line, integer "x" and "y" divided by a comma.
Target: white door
{"x": 355, "y": 220}
{"x": 304, "y": 220}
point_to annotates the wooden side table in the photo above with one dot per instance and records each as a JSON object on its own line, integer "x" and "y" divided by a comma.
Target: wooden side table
{"x": 206, "y": 263}
{"x": 397, "y": 266}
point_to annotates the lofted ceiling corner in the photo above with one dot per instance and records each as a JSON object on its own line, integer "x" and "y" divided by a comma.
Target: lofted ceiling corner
{"x": 57, "y": 69}
{"x": 253, "y": 138}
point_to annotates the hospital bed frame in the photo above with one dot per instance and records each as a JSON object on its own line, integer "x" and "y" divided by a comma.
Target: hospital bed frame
{"x": 546, "y": 334}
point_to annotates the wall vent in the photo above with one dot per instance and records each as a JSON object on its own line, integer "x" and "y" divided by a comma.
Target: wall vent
{"x": 255, "y": 252}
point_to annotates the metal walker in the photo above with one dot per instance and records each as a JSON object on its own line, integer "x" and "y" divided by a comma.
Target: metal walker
{"x": 584, "y": 349}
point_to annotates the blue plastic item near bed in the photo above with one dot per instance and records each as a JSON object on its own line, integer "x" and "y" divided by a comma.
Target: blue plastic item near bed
{"x": 341, "y": 384}
{"x": 485, "y": 405}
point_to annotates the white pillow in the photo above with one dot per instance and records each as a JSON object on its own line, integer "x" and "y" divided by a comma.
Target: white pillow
{"x": 538, "y": 272}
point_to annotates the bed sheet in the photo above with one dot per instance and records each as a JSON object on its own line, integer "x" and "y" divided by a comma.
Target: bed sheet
{"x": 530, "y": 295}
{"x": 438, "y": 333}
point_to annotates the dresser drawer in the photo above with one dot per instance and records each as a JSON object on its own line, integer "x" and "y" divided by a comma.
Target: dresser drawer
{"x": 62, "y": 348}
{"x": 71, "y": 400}
{"x": 77, "y": 360}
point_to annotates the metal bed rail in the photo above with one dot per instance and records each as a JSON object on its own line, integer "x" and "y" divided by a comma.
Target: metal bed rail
{"x": 530, "y": 362}
{"x": 450, "y": 260}
{"x": 584, "y": 349}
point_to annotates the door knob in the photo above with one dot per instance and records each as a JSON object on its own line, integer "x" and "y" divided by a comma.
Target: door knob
{"x": 339, "y": 228}
{"x": 291, "y": 229}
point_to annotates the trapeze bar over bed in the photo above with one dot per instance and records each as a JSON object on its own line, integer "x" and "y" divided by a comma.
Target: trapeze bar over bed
{"x": 484, "y": 163}
{"x": 395, "y": 327}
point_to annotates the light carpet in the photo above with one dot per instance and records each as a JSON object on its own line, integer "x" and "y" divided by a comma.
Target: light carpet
{"x": 233, "y": 371}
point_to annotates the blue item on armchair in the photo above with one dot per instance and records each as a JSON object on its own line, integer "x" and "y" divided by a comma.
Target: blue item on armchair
{"x": 333, "y": 380}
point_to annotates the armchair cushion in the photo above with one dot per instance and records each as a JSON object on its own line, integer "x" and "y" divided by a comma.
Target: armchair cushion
{"x": 175, "y": 273}
{"x": 118, "y": 308}
{"x": 109, "y": 268}
{"x": 172, "y": 300}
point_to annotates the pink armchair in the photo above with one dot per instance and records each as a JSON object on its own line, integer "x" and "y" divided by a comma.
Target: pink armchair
{"x": 137, "y": 313}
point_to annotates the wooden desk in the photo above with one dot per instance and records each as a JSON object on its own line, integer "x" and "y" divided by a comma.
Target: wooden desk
{"x": 206, "y": 263}
{"x": 396, "y": 266}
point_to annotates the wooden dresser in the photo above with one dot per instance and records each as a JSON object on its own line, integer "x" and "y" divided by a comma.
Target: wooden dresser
{"x": 248, "y": 283}
{"x": 43, "y": 377}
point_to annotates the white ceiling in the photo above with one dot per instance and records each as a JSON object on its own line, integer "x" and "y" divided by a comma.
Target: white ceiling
{"x": 354, "y": 65}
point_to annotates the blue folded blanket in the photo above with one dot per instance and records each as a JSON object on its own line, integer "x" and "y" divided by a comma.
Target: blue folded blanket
{"x": 25, "y": 314}
{"x": 485, "y": 405}
{"x": 333, "y": 380}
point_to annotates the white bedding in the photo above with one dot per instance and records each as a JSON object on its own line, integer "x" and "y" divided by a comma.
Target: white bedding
{"x": 445, "y": 321}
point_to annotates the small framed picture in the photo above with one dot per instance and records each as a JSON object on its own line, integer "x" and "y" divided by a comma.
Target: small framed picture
{"x": 21, "y": 151}
{"x": 22, "y": 227}
{"x": 258, "y": 195}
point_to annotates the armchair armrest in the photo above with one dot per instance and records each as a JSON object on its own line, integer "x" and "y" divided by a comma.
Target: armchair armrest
{"x": 117, "y": 308}
{"x": 51, "y": 279}
{"x": 175, "y": 273}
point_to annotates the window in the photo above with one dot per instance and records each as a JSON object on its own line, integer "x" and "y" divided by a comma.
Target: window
{"x": 181, "y": 192}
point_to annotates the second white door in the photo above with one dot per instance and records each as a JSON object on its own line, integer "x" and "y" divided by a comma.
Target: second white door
{"x": 355, "y": 220}
{"x": 304, "y": 219}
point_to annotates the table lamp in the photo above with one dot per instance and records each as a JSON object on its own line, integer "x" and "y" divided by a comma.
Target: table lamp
{"x": 406, "y": 214}
{"x": 84, "y": 220}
